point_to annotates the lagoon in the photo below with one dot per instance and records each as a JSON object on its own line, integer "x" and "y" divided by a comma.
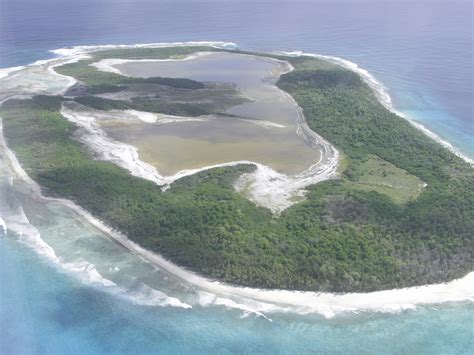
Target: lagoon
{"x": 263, "y": 129}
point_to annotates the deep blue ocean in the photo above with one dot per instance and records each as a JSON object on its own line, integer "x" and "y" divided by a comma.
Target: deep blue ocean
{"x": 421, "y": 50}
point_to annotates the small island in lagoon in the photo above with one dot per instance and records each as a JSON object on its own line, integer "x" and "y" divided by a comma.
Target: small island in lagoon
{"x": 255, "y": 169}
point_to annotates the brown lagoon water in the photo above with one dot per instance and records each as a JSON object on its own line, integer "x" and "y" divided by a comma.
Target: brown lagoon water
{"x": 266, "y": 133}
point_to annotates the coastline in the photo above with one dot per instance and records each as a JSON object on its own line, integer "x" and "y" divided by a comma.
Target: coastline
{"x": 284, "y": 301}
{"x": 309, "y": 302}
{"x": 384, "y": 98}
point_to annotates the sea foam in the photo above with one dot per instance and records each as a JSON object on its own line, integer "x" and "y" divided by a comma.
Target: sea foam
{"x": 19, "y": 225}
{"x": 4, "y": 72}
{"x": 3, "y": 226}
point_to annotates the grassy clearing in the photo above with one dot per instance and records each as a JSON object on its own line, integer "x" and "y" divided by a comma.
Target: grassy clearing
{"x": 375, "y": 174}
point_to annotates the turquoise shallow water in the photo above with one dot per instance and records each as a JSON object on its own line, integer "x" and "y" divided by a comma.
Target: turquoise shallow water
{"x": 422, "y": 52}
{"x": 47, "y": 311}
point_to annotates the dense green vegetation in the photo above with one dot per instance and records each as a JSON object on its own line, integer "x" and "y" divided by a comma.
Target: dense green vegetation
{"x": 104, "y": 82}
{"x": 147, "y": 104}
{"x": 350, "y": 234}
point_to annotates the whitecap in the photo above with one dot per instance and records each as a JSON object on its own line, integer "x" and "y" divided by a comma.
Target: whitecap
{"x": 148, "y": 296}
{"x": 5, "y": 72}
{"x": 3, "y": 226}
{"x": 30, "y": 236}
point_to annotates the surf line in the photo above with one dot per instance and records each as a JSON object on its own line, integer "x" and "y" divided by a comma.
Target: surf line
{"x": 301, "y": 302}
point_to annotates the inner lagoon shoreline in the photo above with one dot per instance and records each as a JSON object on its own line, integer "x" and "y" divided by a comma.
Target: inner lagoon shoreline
{"x": 265, "y": 186}
{"x": 325, "y": 303}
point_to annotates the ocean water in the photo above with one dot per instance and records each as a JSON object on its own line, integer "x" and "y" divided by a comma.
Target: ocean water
{"x": 45, "y": 311}
{"x": 421, "y": 50}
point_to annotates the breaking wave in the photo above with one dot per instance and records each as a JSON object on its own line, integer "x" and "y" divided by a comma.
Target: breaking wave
{"x": 16, "y": 224}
